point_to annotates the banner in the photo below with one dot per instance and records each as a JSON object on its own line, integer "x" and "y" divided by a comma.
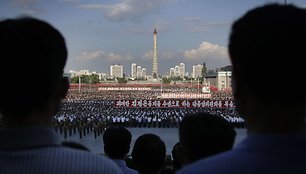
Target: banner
{"x": 184, "y": 95}
{"x": 124, "y": 89}
{"x": 174, "y": 103}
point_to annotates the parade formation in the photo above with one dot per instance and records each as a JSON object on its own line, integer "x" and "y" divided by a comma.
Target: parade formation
{"x": 93, "y": 110}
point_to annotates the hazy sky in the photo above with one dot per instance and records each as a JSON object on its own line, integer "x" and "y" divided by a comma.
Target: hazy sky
{"x": 104, "y": 32}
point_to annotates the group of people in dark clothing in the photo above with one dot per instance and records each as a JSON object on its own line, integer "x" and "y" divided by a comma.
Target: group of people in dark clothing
{"x": 86, "y": 118}
{"x": 88, "y": 111}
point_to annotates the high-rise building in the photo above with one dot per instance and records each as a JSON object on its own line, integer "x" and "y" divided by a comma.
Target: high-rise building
{"x": 133, "y": 70}
{"x": 84, "y": 72}
{"x": 181, "y": 70}
{"x": 176, "y": 71}
{"x": 155, "y": 63}
{"x": 172, "y": 72}
{"x": 116, "y": 71}
{"x": 197, "y": 71}
{"x": 224, "y": 80}
{"x": 139, "y": 72}
{"x": 144, "y": 73}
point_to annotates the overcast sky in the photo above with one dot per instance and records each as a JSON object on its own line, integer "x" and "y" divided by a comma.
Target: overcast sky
{"x": 100, "y": 33}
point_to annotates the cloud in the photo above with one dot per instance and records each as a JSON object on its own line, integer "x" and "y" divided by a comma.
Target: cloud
{"x": 213, "y": 54}
{"x": 163, "y": 55}
{"x": 98, "y": 55}
{"x": 117, "y": 58}
{"x": 93, "y": 6}
{"x": 29, "y": 6}
{"x": 128, "y": 10}
{"x": 85, "y": 56}
{"x": 148, "y": 55}
{"x": 169, "y": 55}
{"x": 98, "y": 60}
{"x": 195, "y": 24}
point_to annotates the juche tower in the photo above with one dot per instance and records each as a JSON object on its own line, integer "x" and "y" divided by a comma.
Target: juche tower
{"x": 155, "y": 63}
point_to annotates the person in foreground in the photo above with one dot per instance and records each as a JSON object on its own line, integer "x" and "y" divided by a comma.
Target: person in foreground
{"x": 33, "y": 57}
{"x": 267, "y": 49}
{"x": 202, "y": 135}
{"x": 149, "y": 154}
{"x": 117, "y": 141}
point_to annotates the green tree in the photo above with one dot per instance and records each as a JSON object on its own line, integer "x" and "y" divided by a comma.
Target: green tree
{"x": 204, "y": 72}
{"x": 94, "y": 79}
{"x": 75, "y": 79}
{"x": 86, "y": 79}
{"x": 166, "y": 80}
{"x": 121, "y": 80}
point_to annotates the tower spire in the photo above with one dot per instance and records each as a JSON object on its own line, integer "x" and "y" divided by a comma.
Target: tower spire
{"x": 155, "y": 63}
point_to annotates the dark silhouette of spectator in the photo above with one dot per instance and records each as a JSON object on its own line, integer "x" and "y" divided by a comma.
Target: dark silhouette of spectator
{"x": 176, "y": 157}
{"x": 117, "y": 142}
{"x": 29, "y": 101}
{"x": 202, "y": 135}
{"x": 149, "y": 154}
{"x": 262, "y": 41}
{"x": 74, "y": 145}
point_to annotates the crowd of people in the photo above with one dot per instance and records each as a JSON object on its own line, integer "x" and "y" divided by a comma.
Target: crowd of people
{"x": 83, "y": 112}
{"x": 152, "y": 92}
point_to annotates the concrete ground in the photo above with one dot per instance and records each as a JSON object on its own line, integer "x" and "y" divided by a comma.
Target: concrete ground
{"x": 168, "y": 135}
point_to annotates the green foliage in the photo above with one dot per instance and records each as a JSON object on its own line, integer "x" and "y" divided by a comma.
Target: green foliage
{"x": 204, "y": 72}
{"x": 166, "y": 80}
{"x": 75, "y": 79}
{"x": 86, "y": 79}
{"x": 121, "y": 80}
{"x": 94, "y": 79}
{"x": 178, "y": 78}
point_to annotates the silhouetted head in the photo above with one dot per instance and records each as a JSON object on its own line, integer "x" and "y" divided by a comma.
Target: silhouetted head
{"x": 203, "y": 134}
{"x": 33, "y": 56}
{"x": 117, "y": 142}
{"x": 267, "y": 51}
{"x": 176, "y": 155}
{"x": 149, "y": 154}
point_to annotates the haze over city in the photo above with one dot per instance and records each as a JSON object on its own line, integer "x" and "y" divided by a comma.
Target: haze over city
{"x": 106, "y": 32}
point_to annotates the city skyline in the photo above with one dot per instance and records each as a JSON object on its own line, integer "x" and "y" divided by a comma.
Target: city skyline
{"x": 137, "y": 71}
{"x": 101, "y": 33}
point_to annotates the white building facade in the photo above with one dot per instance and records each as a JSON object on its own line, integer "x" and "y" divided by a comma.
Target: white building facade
{"x": 197, "y": 71}
{"x": 133, "y": 70}
{"x": 181, "y": 70}
{"x": 116, "y": 71}
{"x": 224, "y": 79}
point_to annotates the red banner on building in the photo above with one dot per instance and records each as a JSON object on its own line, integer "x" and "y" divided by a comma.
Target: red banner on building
{"x": 124, "y": 89}
{"x": 174, "y": 103}
{"x": 185, "y": 95}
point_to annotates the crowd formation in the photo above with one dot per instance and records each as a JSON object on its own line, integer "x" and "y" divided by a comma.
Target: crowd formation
{"x": 84, "y": 112}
